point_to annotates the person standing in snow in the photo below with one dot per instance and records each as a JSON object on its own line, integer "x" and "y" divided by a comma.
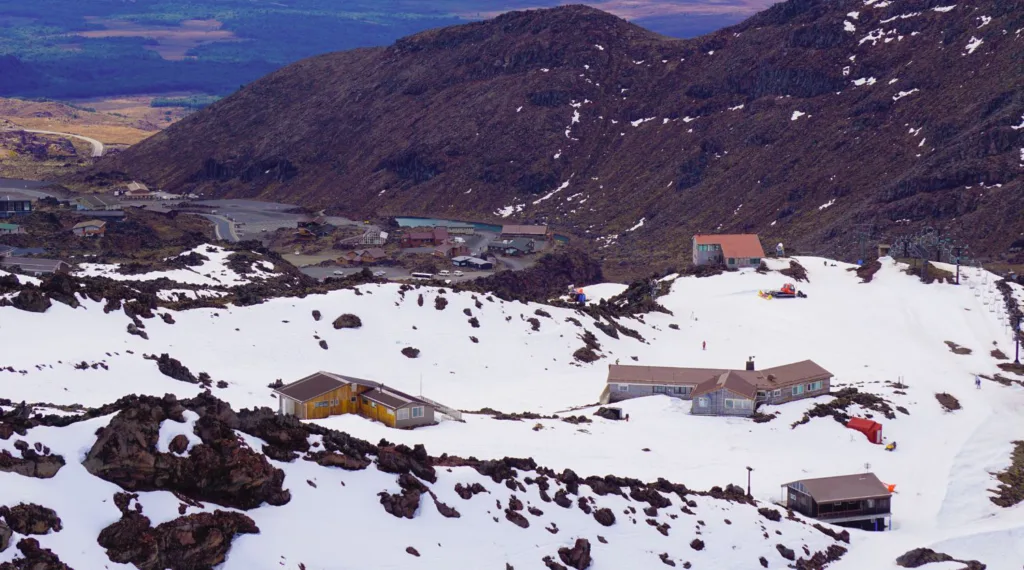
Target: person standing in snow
{"x": 977, "y": 381}
{"x": 704, "y": 345}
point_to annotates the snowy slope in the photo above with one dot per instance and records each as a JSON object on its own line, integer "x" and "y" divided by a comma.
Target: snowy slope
{"x": 892, "y": 328}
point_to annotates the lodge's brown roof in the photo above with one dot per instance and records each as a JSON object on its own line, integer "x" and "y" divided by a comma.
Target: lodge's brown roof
{"x": 90, "y": 223}
{"x": 795, "y": 373}
{"x": 662, "y": 375}
{"x": 740, "y": 382}
{"x": 733, "y": 245}
{"x": 842, "y": 488}
{"x": 767, "y": 379}
{"x": 514, "y": 229}
{"x": 316, "y": 384}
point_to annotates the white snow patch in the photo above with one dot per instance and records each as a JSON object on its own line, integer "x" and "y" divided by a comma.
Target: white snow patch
{"x": 974, "y": 44}
{"x": 985, "y": 20}
{"x": 169, "y": 429}
{"x": 944, "y": 8}
{"x": 865, "y": 81}
{"x": 638, "y": 225}
{"x": 826, "y": 205}
{"x": 509, "y": 210}
{"x": 903, "y": 94}
{"x": 849, "y": 27}
{"x": 736, "y": 108}
{"x": 797, "y": 115}
{"x": 639, "y": 122}
{"x": 553, "y": 192}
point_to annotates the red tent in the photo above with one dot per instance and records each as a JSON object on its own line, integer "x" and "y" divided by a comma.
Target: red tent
{"x": 873, "y": 430}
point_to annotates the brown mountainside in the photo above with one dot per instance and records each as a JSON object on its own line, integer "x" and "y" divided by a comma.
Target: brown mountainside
{"x": 809, "y": 123}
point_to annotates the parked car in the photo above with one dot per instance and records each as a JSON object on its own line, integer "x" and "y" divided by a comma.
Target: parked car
{"x": 444, "y": 273}
{"x": 338, "y": 272}
{"x": 379, "y": 273}
{"x": 458, "y": 273}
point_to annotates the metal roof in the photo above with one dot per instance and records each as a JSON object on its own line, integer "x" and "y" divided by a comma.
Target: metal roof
{"x": 33, "y": 264}
{"x": 739, "y": 382}
{"x": 90, "y": 223}
{"x": 316, "y": 384}
{"x": 524, "y": 230}
{"x": 391, "y": 398}
{"x": 733, "y": 245}
{"x": 770, "y": 378}
{"x": 841, "y": 488}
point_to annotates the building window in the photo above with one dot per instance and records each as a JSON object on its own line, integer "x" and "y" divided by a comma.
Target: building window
{"x": 702, "y": 402}
{"x": 736, "y": 404}
{"x": 814, "y": 386}
{"x": 871, "y": 503}
{"x": 761, "y": 394}
{"x": 373, "y": 405}
{"x": 324, "y": 404}
{"x": 403, "y": 414}
{"x": 623, "y": 387}
{"x": 417, "y": 412}
{"x": 777, "y": 393}
{"x": 732, "y": 261}
{"x": 659, "y": 389}
{"x": 755, "y": 260}
{"x": 352, "y": 399}
{"x": 797, "y": 390}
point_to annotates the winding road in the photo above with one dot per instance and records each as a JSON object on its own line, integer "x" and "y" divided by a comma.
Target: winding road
{"x": 223, "y": 227}
{"x": 97, "y": 146}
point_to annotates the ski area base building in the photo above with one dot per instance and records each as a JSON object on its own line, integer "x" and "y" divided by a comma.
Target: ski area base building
{"x": 720, "y": 392}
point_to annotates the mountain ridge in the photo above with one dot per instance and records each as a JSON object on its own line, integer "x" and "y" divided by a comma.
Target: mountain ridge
{"x": 804, "y": 124}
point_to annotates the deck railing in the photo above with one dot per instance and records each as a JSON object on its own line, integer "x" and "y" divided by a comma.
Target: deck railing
{"x": 443, "y": 409}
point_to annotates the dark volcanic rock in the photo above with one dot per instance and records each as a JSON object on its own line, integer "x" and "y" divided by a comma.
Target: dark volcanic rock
{"x": 411, "y": 352}
{"x": 221, "y": 470}
{"x": 786, "y": 553}
{"x": 196, "y": 541}
{"x": 604, "y": 516}
{"x": 34, "y": 557}
{"x": 347, "y": 321}
{"x": 179, "y": 444}
{"x": 5, "y": 536}
{"x": 578, "y": 556}
{"x": 29, "y": 518}
{"x": 31, "y": 464}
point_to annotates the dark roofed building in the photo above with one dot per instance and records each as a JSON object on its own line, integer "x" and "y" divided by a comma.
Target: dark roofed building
{"x": 14, "y": 204}
{"x": 33, "y": 265}
{"x": 514, "y": 230}
{"x": 100, "y": 202}
{"x": 770, "y": 386}
{"x": 514, "y": 246}
{"x": 856, "y": 501}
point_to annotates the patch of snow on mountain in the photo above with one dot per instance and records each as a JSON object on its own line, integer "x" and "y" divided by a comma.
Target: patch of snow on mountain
{"x": 853, "y": 15}
{"x": 849, "y": 27}
{"x": 903, "y": 94}
{"x": 637, "y": 225}
{"x": 509, "y": 210}
{"x": 826, "y": 205}
{"x": 974, "y": 44}
{"x": 797, "y": 115}
{"x": 639, "y": 122}
{"x": 985, "y": 20}
{"x": 212, "y": 271}
{"x": 944, "y": 8}
{"x": 553, "y": 192}
{"x": 865, "y": 81}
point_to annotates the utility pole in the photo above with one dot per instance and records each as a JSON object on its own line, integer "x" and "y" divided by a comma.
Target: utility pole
{"x": 749, "y": 470}
{"x": 957, "y": 265}
{"x": 1016, "y": 342}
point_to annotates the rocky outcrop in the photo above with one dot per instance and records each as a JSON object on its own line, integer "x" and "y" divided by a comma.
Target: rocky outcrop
{"x": 196, "y": 541}
{"x": 403, "y": 459}
{"x": 921, "y": 556}
{"x": 5, "y": 536}
{"x": 31, "y": 463}
{"x": 220, "y": 470}
{"x": 34, "y": 557}
{"x": 347, "y": 321}
{"x": 578, "y": 556}
{"x": 604, "y": 516}
{"x": 30, "y": 518}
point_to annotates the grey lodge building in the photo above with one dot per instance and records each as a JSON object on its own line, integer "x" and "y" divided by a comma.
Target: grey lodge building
{"x": 719, "y": 391}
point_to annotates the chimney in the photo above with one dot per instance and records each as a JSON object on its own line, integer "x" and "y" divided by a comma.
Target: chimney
{"x": 750, "y": 363}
